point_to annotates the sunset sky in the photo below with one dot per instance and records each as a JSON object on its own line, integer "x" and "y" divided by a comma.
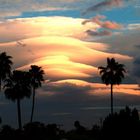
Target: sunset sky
{"x": 69, "y": 39}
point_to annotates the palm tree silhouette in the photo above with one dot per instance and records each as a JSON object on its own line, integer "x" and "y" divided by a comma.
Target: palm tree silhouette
{"x": 36, "y": 82}
{"x": 17, "y": 87}
{"x": 5, "y": 66}
{"x": 111, "y": 75}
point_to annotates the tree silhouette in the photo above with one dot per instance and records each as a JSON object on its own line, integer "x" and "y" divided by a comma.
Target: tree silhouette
{"x": 36, "y": 82}
{"x": 5, "y": 66}
{"x": 17, "y": 87}
{"x": 111, "y": 75}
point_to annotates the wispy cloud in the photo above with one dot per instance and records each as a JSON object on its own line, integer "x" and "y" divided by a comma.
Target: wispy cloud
{"x": 104, "y": 4}
{"x": 135, "y": 26}
{"x": 12, "y": 8}
{"x": 17, "y": 7}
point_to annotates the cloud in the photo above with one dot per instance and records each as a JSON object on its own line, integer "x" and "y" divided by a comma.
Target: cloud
{"x": 17, "y": 7}
{"x": 10, "y": 9}
{"x": 73, "y": 86}
{"x": 119, "y": 44}
{"x": 101, "y": 33}
{"x": 136, "y": 68}
{"x": 54, "y": 43}
{"x": 103, "y": 24}
{"x": 67, "y": 57}
{"x": 133, "y": 26}
{"x": 65, "y": 87}
{"x": 60, "y": 67}
{"x": 104, "y": 5}
{"x": 43, "y": 26}
{"x": 60, "y": 57}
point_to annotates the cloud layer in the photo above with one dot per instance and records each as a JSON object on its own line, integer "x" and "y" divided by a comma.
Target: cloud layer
{"x": 95, "y": 89}
{"x": 43, "y": 26}
{"x": 54, "y": 44}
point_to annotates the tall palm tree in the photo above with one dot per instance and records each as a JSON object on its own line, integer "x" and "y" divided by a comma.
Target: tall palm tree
{"x": 17, "y": 87}
{"x": 111, "y": 75}
{"x": 36, "y": 82}
{"x": 5, "y": 66}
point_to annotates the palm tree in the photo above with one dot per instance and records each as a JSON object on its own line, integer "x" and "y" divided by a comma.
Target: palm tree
{"x": 111, "y": 75}
{"x": 17, "y": 87}
{"x": 36, "y": 82}
{"x": 5, "y": 66}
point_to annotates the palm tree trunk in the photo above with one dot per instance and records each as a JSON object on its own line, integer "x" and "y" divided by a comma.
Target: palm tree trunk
{"x": 19, "y": 114}
{"x": 111, "y": 99}
{"x": 33, "y": 105}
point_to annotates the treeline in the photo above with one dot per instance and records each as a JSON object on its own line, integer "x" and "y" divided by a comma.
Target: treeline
{"x": 123, "y": 125}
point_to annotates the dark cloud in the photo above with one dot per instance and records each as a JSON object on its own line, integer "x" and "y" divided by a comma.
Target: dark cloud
{"x": 136, "y": 68}
{"x": 137, "y": 46}
{"x": 106, "y": 26}
{"x": 103, "y": 5}
{"x": 136, "y": 64}
{"x": 66, "y": 91}
{"x": 124, "y": 43}
{"x": 101, "y": 33}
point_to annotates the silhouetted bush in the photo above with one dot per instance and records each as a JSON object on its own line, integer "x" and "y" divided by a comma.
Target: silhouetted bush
{"x": 124, "y": 124}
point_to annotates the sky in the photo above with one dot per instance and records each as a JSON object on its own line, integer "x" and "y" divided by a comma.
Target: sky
{"x": 70, "y": 40}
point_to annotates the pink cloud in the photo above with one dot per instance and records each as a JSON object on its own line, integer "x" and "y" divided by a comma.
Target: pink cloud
{"x": 103, "y": 24}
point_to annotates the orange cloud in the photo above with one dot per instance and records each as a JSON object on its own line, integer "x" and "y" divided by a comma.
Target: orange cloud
{"x": 100, "y": 89}
{"x": 61, "y": 57}
{"x": 55, "y": 44}
{"x": 59, "y": 67}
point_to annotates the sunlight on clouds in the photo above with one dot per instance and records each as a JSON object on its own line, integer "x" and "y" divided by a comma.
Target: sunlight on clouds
{"x": 104, "y": 24}
{"x": 131, "y": 89}
{"x": 98, "y": 88}
{"x": 61, "y": 67}
{"x": 55, "y": 44}
{"x": 17, "y": 29}
{"x": 61, "y": 57}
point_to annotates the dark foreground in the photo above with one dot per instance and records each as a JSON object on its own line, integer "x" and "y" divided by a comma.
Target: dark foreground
{"x": 123, "y": 125}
